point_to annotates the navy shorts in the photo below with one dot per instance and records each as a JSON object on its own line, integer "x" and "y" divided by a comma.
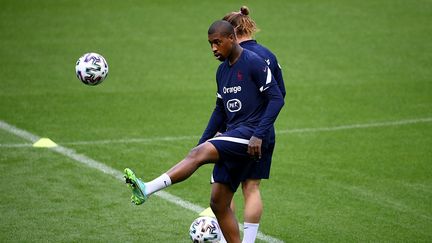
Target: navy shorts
{"x": 235, "y": 165}
{"x": 261, "y": 169}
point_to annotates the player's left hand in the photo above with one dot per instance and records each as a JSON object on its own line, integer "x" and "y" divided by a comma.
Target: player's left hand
{"x": 254, "y": 147}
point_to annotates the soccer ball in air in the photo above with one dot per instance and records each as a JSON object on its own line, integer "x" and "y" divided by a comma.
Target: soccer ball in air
{"x": 91, "y": 68}
{"x": 205, "y": 229}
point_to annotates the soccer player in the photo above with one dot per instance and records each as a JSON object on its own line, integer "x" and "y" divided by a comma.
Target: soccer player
{"x": 248, "y": 100}
{"x": 245, "y": 28}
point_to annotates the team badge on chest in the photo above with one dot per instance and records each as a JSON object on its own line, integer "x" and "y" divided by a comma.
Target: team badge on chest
{"x": 239, "y": 76}
{"x": 233, "y": 105}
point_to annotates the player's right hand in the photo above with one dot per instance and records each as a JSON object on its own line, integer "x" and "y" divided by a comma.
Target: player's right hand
{"x": 254, "y": 147}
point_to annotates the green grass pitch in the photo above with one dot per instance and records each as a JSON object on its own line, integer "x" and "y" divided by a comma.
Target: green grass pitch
{"x": 353, "y": 161}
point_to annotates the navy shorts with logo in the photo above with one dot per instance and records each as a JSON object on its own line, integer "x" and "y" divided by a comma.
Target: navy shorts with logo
{"x": 235, "y": 165}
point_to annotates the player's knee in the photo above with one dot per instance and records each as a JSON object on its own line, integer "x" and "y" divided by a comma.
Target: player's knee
{"x": 202, "y": 154}
{"x": 214, "y": 206}
{"x": 218, "y": 205}
{"x": 195, "y": 155}
{"x": 193, "y": 152}
{"x": 250, "y": 187}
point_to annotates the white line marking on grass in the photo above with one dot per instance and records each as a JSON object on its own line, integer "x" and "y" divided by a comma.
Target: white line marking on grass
{"x": 16, "y": 145}
{"x": 356, "y": 126}
{"x": 113, "y": 172}
{"x": 132, "y": 140}
{"x": 286, "y": 131}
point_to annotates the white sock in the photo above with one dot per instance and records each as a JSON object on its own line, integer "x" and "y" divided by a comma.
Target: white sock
{"x": 222, "y": 240}
{"x": 250, "y": 232}
{"x": 157, "y": 184}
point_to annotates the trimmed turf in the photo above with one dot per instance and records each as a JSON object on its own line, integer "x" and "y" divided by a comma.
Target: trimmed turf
{"x": 344, "y": 63}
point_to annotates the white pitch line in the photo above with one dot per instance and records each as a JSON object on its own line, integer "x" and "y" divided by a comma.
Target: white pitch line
{"x": 16, "y": 145}
{"x": 356, "y": 126}
{"x": 286, "y": 131}
{"x": 72, "y": 154}
{"x": 132, "y": 140}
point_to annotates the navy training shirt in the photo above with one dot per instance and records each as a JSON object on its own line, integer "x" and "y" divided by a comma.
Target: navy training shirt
{"x": 273, "y": 63}
{"x": 247, "y": 95}
{"x": 269, "y": 58}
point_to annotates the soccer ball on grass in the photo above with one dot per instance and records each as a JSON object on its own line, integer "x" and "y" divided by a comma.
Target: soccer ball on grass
{"x": 205, "y": 229}
{"x": 91, "y": 68}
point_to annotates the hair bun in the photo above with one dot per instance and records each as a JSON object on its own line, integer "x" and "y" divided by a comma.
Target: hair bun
{"x": 244, "y": 10}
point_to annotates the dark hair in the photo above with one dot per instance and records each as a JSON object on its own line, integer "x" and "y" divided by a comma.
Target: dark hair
{"x": 243, "y": 24}
{"x": 221, "y": 26}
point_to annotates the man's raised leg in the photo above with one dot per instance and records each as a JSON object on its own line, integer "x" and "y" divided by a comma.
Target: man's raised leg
{"x": 198, "y": 156}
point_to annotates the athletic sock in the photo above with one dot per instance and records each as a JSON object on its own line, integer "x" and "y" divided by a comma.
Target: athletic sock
{"x": 222, "y": 240}
{"x": 157, "y": 184}
{"x": 250, "y": 231}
